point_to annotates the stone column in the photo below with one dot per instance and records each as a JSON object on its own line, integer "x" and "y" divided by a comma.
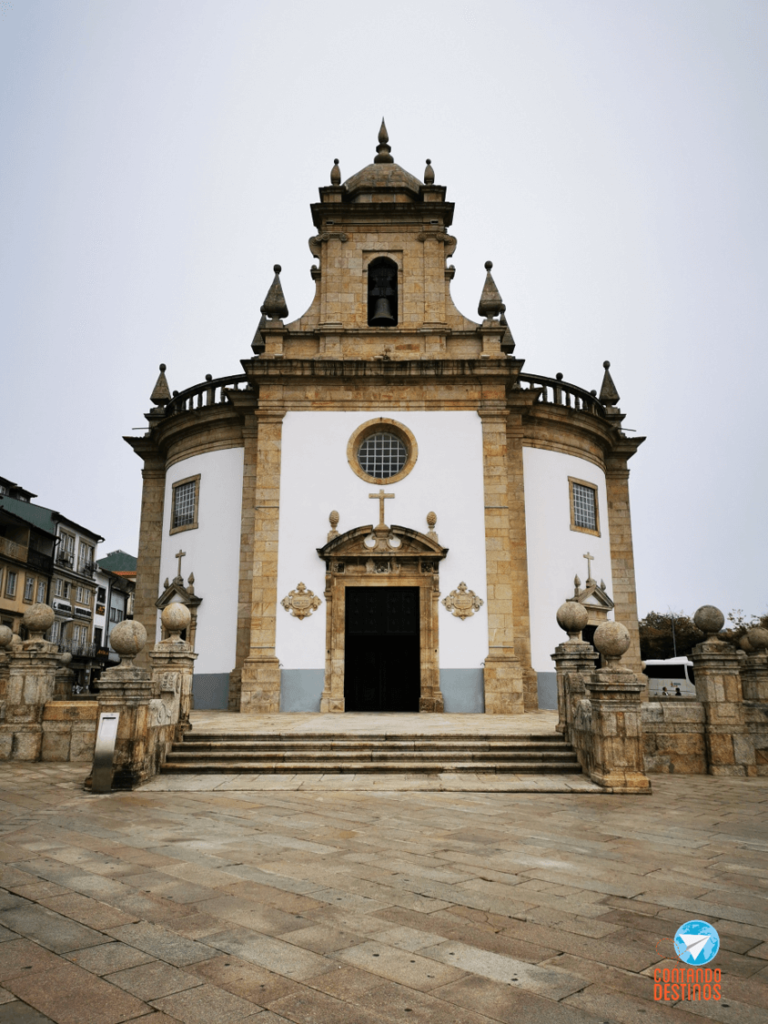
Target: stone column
{"x": 574, "y": 662}
{"x": 730, "y": 750}
{"x": 615, "y": 695}
{"x": 127, "y": 690}
{"x": 247, "y": 539}
{"x": 150, "y": 541}
{"x": 754, "y": 671}
{"x": 503, "y": 675}
{"x": 260, "y": 678}
{"x": 173, "y": 665}
{"x": 31, "y": 681}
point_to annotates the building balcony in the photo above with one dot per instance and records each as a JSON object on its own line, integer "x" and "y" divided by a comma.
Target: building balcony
{"x": 12, "y": 549}
{"x": 78, "y": 650}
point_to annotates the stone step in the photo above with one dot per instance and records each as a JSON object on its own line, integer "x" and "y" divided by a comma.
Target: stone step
{"x": 180, "y": 753}
{"x": 359, "y": 767}
{"x": 421, "y": 746}
{"x": 369, "y": 737}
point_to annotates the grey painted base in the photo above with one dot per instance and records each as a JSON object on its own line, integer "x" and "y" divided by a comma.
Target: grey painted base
{"x": 547, "y": 690}
{"x": 301, "y": 689}
{"x": 210, "y": 691}
{"x": 463, "y": 690}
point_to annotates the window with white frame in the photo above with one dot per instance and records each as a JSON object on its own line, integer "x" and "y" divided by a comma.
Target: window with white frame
{"x": 41, "y": 591}
{"x": 184, "y": 505}
{"x": 584, "y": 507}
{"x": 67, "y": 590}
{"x": 29, "y": 588}
{"x": 54, "y": 633}
{"x": 57, "y": 588}
{"x": 85, "y": 558}
{"x": 116, "y": 614}
{"x": 10, "y": 583}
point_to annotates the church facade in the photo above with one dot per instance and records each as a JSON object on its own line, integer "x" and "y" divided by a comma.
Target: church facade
{"x": 382, "y": 511}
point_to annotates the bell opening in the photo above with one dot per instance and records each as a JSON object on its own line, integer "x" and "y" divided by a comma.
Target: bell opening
{"x": 382, "y": 293}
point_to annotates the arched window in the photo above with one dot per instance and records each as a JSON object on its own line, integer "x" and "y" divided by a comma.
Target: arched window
{"x": 382, "y": 293}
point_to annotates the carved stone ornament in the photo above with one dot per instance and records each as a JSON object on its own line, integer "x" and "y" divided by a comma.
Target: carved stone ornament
{"x": 463, "y": 602}
{"x": 301, "y": 602}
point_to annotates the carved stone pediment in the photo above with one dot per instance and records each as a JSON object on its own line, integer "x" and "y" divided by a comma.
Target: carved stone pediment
{"x": 383, "y": 550}
{"x": 177, "y": 590}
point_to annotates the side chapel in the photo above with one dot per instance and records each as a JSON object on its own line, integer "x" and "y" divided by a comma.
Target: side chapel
{"x": 382, "y": 511}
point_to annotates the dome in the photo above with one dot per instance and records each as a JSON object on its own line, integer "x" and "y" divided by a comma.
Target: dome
{"x": 383, "y": 176}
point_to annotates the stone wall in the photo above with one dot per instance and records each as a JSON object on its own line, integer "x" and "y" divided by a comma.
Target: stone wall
{"x": 673, "y": 737}
{"x": 69, "y": 730}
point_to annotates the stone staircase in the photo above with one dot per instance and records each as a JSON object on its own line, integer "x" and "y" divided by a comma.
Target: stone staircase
{"x": 321, "y": 752}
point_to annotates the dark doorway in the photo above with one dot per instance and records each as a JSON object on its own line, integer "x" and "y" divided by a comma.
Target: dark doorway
{"x": 381, "y": 662}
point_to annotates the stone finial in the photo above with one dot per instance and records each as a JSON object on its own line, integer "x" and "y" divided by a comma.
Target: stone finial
{"x": 429, "y": 174}
{"x": 166, "y": 583}
{"x": 333, "y": 519}
{"x": 432, "y": 523}
{"x": 383, "y": 150}
{"x": 176, "y": 617}
{"x": 709, "y": 620}
{"x": 38, "y": 620}
{"x": 274, "y": 305}
{"x": 258, "y": 341}
{"x": 608, "y": 394}
{"x": 572, "y": 617}
{"x": 6, "y": 636}
{"x": 161, "y": 393}
{"x": 128, "y": 638}
{"x": 576, "y": 586}
{"x": 757, "y": 638}
{"x": 507, "y": 341}
{"x": 612, "y": 640}
{"x": 335, "y": 173}
{"x": 490, "y": 300}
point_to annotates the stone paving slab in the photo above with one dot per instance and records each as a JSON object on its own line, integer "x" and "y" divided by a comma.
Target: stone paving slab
{"x": 351, "y": 906}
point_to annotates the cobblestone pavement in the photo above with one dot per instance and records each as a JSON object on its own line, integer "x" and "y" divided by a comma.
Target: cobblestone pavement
{"x": 374, "y": 907}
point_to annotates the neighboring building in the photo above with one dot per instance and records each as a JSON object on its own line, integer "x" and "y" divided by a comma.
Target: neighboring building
{"x": 115, "y": 586}
{"x": 27, "y": 544}
{"x": 70, "y": 586}
{"x": 383, "y": 390}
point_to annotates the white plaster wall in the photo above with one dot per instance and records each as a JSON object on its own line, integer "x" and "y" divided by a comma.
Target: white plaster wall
{"x": 555, "y": 551}
{"x": 316, "y": 478}
{"x": 213, "y": 552}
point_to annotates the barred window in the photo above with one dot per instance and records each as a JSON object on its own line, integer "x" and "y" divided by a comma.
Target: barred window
{"x": 584, "y": 509}
{"x": 184, "y": 504}
{"x": 382, "y": 455}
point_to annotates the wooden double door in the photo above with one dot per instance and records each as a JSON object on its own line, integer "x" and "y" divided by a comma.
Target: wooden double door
{"x": 382, "y": 664}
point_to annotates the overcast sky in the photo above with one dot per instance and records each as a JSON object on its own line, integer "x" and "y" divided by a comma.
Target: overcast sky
{"x": 159, "y": 156}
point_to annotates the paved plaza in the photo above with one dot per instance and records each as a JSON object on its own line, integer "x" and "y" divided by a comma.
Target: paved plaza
{"x": 363, "y": 905}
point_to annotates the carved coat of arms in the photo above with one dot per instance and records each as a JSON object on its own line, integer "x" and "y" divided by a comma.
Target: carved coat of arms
{"x": 301, "y": 602}
{"x": 463, "y": 602}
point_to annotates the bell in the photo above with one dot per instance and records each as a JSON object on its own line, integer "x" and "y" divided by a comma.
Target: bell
{"x": 382, "y": 314}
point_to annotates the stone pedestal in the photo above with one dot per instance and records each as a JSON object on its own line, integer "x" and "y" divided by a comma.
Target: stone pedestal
{"x": 754, "y": 677}
{"x": 127, "y": 691}
{"x": 30, "y": 685}
{"x": 574, "y": 663}
{"x": 616, "y": 761}
{"x": 730, "y": 750}
{"x": 503, "y": 678}
{"x": 173, "y": 665}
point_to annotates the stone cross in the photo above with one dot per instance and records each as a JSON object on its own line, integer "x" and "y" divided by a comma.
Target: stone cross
{"x": 590, "y": 559}
{"x": 180, "y": 554}
{"x": 382, "y": 498}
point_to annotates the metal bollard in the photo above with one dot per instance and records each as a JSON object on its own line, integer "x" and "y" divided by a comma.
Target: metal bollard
{"x": 104, "y": 752}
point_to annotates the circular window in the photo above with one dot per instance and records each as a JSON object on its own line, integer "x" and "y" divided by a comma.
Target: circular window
{"x": 382, "y": 451}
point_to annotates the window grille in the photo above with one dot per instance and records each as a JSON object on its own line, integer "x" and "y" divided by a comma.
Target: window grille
{"x": 184, "y": 504}
{"x": 382, "y": 455}
{"x": 584, "y": 514}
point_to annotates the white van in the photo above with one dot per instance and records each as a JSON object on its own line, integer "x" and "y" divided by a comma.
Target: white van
{"x": 668, "y": 676}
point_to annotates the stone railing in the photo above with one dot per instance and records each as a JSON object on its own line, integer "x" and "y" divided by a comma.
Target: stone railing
{"x": 200, "y": 396}
{"x": 557, "y": 392}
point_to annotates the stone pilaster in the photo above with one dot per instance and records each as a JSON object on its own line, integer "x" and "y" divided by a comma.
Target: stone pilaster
{"x": 247, "y": 537}
{"x": 150, "y": 544}
{"x": 173, "y": 666}
{"x": 730, "y": 750}
{"x": 503, "y": 674}
{"x": 260, "y": 677}
{"x": 30, "y": 685}
{"x": 623, "y": 557}
{"x": 754, "y": 677}
{"x": 574, "y": 663}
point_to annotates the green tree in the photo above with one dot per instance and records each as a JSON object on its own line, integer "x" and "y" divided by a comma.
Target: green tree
{"x": 657, "y": 639}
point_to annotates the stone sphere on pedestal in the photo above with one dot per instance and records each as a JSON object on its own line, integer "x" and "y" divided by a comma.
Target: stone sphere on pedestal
{"x": 38, "y": 620}
{"x": 572, "y": 617}
{"x": 708, "y": 619}
{"x": 176, "y": 617}
{"x": 6, "y": 636}
{"x": 757, "y": 638}
{"x": 128, "y": 638}
{"x": 612, "y": 640}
